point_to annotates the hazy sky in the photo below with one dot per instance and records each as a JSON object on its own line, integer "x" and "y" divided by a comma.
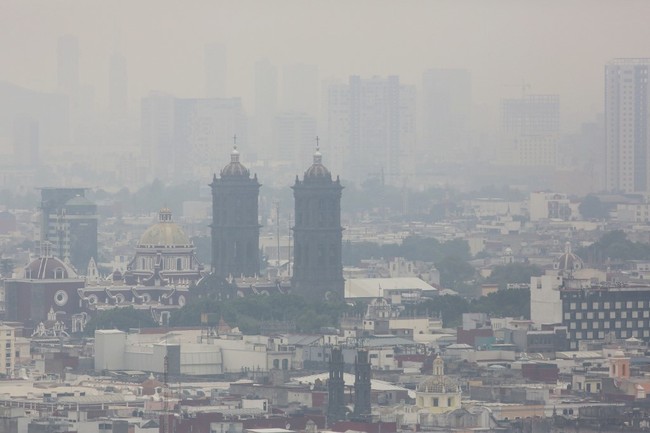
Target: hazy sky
{"x": 554, "y": 46}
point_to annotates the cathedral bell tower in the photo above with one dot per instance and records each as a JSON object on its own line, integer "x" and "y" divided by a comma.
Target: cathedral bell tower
{"x": 235, "y": 226}
{"x": 317, "y": 267}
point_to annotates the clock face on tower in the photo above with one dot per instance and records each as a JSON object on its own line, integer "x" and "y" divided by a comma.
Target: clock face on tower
{"x": 61, "y": 298}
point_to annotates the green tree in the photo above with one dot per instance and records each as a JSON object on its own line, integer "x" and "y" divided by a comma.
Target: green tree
{"x": 592, "y": 208}
{"x": 513, "y": 273}
{"x": 120, "y": 318}
{"x": 504, "y": 303}
{"x": 454, "y": 271}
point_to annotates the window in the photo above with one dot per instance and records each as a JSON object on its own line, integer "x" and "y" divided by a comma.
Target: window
{"x": 590, "y": 315}
{"x": 596, "y": 325}
{"x": 612, "y": 314}
{"x": 435, "y": 401}
{"x": 618, "y": 305}
{"x": 606, "y": 305}
{"x": 567, "y": 316}
{"x": 629, "y": 304}
{"x": 623, "y": 314}
{"x": 595, "y": 306}
{"x": 639, "y": 304}
{"x": 579, "y": 316}
{"x": 635, "y": 314}
{"x": 572, "y": 306}
{"x": 601, "y": 315}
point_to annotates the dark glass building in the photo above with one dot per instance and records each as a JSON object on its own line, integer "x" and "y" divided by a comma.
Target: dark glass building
{"x": 317, "y": 268}
{"x": 69, "y": 224}
{"x": 235, "y": 226}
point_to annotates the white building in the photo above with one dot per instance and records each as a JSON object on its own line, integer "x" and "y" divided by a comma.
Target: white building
{"x": 549, "y": 205}
{"x": 189, "y": 352}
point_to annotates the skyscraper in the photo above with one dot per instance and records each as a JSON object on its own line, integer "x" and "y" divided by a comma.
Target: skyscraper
{"x": 235, "y": 226}
{"x": 182, "y": 137}
{"x": 374, "y": 116}
{"x": 300, "y": 89}
{"x": 446, "y": 113}
{"x": 67, "y": 54}
{"x": 215, "y": 71}
{"x": 317, "y": 268}
{"x": 531, "y": 128}
{"x": 627, "y": 105}
{"x": 266, "y": 106}
{"x": 69, "y": 225}
{"x": 117, "y": 86}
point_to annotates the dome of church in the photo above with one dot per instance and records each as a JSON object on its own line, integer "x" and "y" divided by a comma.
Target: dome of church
{"x": 437, "y": 385}
{"x": 235, "y": 168}
{"x": 165, "y": 233}
{"x": 49, "y": 268}
{"x": 317, "y": 170}
{"x": 568, "y": 262}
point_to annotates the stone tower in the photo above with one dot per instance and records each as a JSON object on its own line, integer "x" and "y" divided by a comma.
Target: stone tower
{"x": 235, "y": 227}
{"x": 362, "y": 398}
{"x": 317, "y": 268}
{"x": 336, "y": 388}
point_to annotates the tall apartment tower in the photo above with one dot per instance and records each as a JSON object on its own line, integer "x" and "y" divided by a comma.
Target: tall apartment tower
{"x": 317, "y": 268}
{"x": 235, "y": 227}
{"x": 371, "y": 116}
{"x": 117, "y": 86}
{"x": 336, "y": 388}
{"x": 626, "y": 125}
{"x": 362, "y": 399}
{"x": 69, "y": 224}
{"x": 67, "y": 54}
{"x": 531, "y": 128}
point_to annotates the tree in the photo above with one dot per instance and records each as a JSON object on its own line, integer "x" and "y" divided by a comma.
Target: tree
{"x": 513, "y": 273}
{"x": 454, "y": 271}
{"x": 504, "y": 303}
{"x": 592, "y": 208}
{"x": 120, "y": 318}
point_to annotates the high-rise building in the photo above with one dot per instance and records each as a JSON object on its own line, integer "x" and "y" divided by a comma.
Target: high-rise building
{"x": 266, "y": 107}
{"x": 627, "y": 103}
{"x": 69, "y": 225}
{"x": 531, "y": 128}
{"x": 157, "y": 129}
{"x": 300, "y": 89}
{"x": 446, "y": 113}
{"x": 375, "y": 117}
{"x": 235, "y": 226}
{"x": 317, "y": 269}
{"x": 215, "y": 71}
{"x": 26, "y": 142}
{"x": 290, "y": 133}
{"x": 117, "y": 86}
{"x": 68, "y": 65}
{"x": 182, "y": 137}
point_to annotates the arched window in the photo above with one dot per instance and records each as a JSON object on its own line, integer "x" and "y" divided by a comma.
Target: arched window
{"x": 143, "y": 263}
{"x": 285, "y": 364}
{"x": 179, "y": 264}
{"x": 276, "y": 363}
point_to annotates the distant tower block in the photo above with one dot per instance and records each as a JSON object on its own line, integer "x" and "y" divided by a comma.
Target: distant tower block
{"x": 336, "y": 388}
{"x": 362, "y": 385}
{"x": 317, "y": 268}
{"x": 235, "y": 227}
